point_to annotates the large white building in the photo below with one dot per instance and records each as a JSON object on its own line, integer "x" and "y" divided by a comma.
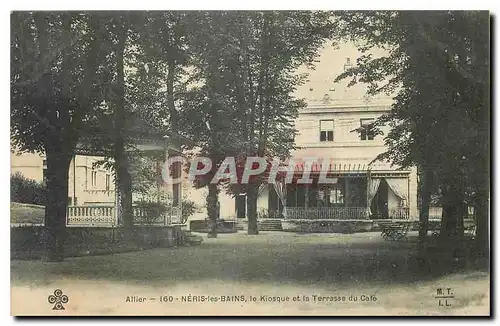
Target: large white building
{"x": 89, "y": 182}
{"x": 326, "y": 132}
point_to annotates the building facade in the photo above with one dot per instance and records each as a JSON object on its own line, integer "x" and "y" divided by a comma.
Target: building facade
{"x": 327, "y": 134}
{"x": 89, "y": 182}
{"x": 358, "y": 188}
{"x": 91, "y": 186}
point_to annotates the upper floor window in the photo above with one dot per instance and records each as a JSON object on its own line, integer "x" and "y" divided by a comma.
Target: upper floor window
{"x": 94, "y": 178}
{"x": 326, "y": 130}
{"x": 366, "y": 133}
{"x": 108, "y": 181}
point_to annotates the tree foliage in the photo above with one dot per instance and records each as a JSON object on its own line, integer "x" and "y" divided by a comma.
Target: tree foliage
{"x": 246, "y": 63}
{"x": 438, "y": 67}
{"x": 56, "y": 80}
{"x": 28, "y": 191}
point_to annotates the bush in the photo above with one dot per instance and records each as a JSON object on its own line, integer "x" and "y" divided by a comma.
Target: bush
{"x": 27, "y": 191}
{"x": 188, "y": 209}
{"x": 151, "y": 212}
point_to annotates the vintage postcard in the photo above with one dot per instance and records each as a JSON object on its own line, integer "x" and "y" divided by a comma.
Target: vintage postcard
{"x": 257, "y": 163}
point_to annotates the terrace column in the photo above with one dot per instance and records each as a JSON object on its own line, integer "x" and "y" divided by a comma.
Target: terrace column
{"x": 296, "y": 196}
{"x": 171, "y": 150}
{"x": 368, "y": 186}
{"x": 118, "y": 217}
{"x": 176, "y": 188}
{"x": 159, "y": 181}
{"x": 346, "y": 196}
{"x": 306, "y": 194}
{"x": 167, "y": 185}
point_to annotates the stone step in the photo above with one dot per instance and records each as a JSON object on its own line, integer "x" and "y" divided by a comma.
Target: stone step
{"x": 263, "y": 224}
{"x": 270, "y": 225}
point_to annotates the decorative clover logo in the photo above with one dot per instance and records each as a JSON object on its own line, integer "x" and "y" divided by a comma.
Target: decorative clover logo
{"x": 57, "y": 299}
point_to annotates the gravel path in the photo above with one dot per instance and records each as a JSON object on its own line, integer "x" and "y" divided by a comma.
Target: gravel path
{"x": 274, "y": 273}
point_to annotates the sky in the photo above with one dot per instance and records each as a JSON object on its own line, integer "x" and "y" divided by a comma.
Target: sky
{"x": 320, "y": 81}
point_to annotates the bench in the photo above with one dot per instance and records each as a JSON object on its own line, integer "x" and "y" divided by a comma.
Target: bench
{"x": 193, "y": 239}
{"x": 393, "y": 230}
{"x": 469, "y": 227}
{"x": 470, "y": 230}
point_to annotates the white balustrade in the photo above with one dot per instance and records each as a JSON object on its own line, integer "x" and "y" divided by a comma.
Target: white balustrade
{"x": 91, "y": 216}
{"x": 327, "y": 213}
{"x": 399, "y": 213}
{"x": 105, "y": 216}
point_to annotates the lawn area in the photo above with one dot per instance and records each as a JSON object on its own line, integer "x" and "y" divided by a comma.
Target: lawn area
{"x": 26, "y": 213}
{"x": 279, "y": 264}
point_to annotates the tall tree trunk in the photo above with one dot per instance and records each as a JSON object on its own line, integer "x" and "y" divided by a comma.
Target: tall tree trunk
{"x": 252, "y": 193}
{"x": 124, "y": 189}
{"x": 453, "y": 211}
{"x": 482, "y": 181}
{"x": 124, "y": 209}
{"x": 482, "y": 213}
{"x": 174, "y": 126}
{"x": 425, "y": 197}
{"x": 212, "y": 209}
{"x": 57, "y": 145}
{"x": 482, "y": 220}
{"x": 263, "y": 117}
{"x": 451, "y": 232}
{"x": 58, "y": 161}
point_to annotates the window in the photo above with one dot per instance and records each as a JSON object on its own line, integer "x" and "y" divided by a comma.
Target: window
{"x": 107, "y": 181}
{"x": 69, "y": 201}
{"x": 326, "y": 130}
{"x": 366, "y": 133}
{"x": 94, "y": 178}
{"x": 336, "y": 196}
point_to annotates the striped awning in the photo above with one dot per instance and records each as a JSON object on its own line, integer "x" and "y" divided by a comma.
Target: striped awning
{"x": 330, "y": 166}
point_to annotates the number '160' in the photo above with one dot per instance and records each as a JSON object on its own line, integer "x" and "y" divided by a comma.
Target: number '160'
{"x": 166, "y": 298}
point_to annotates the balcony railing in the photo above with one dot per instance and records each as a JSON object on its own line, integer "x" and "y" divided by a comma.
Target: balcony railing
{"x": 399, "y": 213}
{"x": 105, "y": 216}
{"x": 327, "y": 213}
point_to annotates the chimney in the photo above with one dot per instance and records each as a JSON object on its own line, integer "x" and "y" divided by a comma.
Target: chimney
{"x": 348, "y": 64}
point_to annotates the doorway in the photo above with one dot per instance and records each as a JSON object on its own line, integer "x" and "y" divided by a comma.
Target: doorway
{"x": 240, "y": 203}
{"x": 379, "y": 205}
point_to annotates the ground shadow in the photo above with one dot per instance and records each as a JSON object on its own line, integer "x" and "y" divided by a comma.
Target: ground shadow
{"x": 342, "y": 260}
